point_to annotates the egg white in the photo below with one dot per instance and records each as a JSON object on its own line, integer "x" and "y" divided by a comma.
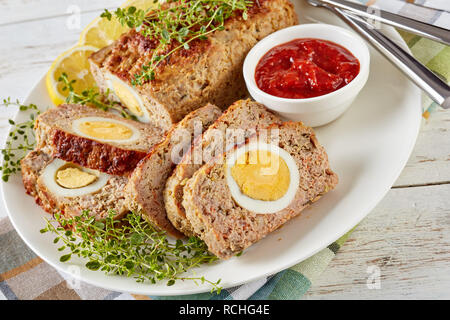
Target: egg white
{"x": 49, "y": 179}
{"x": 146, "y": 114}
{"x": 261, "y": 206}
{"x": 76, "y": 127}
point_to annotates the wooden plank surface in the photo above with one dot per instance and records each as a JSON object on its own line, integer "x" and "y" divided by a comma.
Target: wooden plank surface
{"x": 406, "y": 237}
{"x": 19, "y": 11}
{"x": 430, "y": 161}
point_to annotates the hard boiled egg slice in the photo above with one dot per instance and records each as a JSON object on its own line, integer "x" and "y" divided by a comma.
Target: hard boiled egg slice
{"x": 128, "y": 97}
{"x": 105, "y": 129}
{"x": 262, "y": 178}
{"x": 68, "y": 180}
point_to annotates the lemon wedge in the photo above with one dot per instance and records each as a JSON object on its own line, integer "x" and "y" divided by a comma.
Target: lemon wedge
{"x": 75, "y": 64}
{"x": 103, "y": 32}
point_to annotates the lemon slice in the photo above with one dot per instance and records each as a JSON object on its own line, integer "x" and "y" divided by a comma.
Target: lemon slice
{"x": 102, "y": 32}
{"x": 74, "y": 63}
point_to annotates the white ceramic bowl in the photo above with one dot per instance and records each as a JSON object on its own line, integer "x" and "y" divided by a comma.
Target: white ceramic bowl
{"x": 319, "y": 110}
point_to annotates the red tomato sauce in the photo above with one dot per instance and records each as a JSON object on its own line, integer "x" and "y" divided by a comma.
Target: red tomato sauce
{"x": 305, "y": 68}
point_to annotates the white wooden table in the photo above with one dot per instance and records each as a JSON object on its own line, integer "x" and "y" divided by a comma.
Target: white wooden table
{"x": 406, "y": 238}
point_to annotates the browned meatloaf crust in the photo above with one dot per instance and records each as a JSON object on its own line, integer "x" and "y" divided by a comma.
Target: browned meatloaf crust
{"x": 228, "y": 228}
{"x": 54, "y": 135}
{"x": 110, "y": 197}
{"x": 244, "y": 116}
{"x": 210, "y": 71}
{"x": 145, "y": 187}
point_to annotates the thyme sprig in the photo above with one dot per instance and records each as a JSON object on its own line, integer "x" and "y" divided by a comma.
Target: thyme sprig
{"x": 175, "y": 26}
{"x": 92, "y": 97}
{"x": 130, "y": 247}
{"x": 20, "y": 140}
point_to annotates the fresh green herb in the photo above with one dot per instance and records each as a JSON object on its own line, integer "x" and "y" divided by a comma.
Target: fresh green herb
{"x": 20, "y": 140}
{"x": 92, "y": 97}
{"x": 130, "y": 247}
{"x": 175, "y": 26}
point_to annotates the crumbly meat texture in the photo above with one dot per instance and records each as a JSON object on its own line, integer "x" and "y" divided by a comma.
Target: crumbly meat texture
{"x": 226, "y": 227}
{"x": 31, "y": 168}
{"x": 239, "y": 122}
{"x": 210, "y": 71}
{"x": 110, "y": 197}
{"x": 55, "y": 136}
{"x": 145, "y": 187}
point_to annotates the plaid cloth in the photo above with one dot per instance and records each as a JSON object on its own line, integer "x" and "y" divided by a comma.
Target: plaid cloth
{"x": 23, "y": 275}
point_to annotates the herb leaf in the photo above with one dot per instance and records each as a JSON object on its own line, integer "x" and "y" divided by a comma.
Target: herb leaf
{"x": 131, "y": 247}
{"x": 15, "y": 148}
{"x": 176, "y": 25}
{"x": 91, "y": 97}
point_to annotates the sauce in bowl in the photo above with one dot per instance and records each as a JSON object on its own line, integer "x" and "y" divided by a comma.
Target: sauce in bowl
{"x": 305, "y": 68}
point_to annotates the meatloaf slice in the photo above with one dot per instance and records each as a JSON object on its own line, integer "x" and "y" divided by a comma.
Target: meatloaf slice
{"x": 209, "y": 71}
{"x": 56, "y": 135}
{"x": 237, "y": 123}
{"x": 145, "y": 186}
{"x": 31, "y": 167}
{"x": 226, "y": 227}
{"x": 99, "y": 204}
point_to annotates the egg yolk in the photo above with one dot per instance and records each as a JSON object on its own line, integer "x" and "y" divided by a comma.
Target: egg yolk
{"x": 74, "y": 178}
{"x": 106, "y": 130}
{"x": 128, "y": 99}
{"x": 261, "y": 175}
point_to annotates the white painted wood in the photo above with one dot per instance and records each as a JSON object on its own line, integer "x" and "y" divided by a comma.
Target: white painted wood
{"x": 25, "y": 58}
{"x": 17, "y": 11}
{"x": 406, "y": 236}
{"x": 430, "y": 160}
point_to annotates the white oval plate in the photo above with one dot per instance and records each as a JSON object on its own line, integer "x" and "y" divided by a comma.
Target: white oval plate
{"x": 368, "y": 147}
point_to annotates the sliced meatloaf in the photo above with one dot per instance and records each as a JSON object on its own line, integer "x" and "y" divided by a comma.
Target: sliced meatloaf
{"x": 110, "y": 197}
{"x": 228, "y": 228}
{"x": 209, "y": 71}
{"x": 31, "y": 168}
{"x": 236, "y": 124}
{"x": 145, "y": 186}
{"x": 56, "y": 135}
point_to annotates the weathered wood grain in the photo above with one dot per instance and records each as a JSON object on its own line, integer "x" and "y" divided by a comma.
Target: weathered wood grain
{"x": 18, "y": 11}
{"x": 25, "y": 58}
{"x": 430, "y": 161}
{"x": 407, "y": 236}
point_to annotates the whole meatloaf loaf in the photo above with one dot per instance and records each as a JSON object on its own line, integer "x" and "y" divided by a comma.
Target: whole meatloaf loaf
{"x": 109, "y": 196}
{"x": 209, "y": 71}
{"x": 238, "y": 122}
{"x": 145, "y": 187}
{"x": 58, "y": 133}
{"x": 225, "y": 226}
